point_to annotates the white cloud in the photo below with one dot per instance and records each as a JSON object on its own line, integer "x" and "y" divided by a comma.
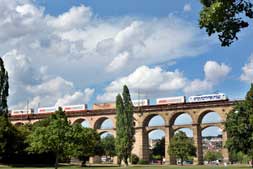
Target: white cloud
{"x": 76, "y": 98}
{"x": 153, "y": 82}
{"x": 247, "y": 69}
{"x": 70, "y": 19}
{"x": 147, "y": 81}
{"x": 118, "y": 62}
{"x": 187, "y": 7}
{"x": 68, "y": 53}
{"x": 55, "y": 85}
{"x": 198, "y": 87}
{"x": 215, "y": 71}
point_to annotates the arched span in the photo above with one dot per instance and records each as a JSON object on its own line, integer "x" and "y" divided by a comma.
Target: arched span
{"x": 103, "y": 123}
{"x": 211, "y": 131}
{"x": 155, "y": 129}
{"x": 187, "y": 131}
{"x": 205, "y": 126}
{"x": 188, "y": 120}
{"x": 105, "y": 133}
{"x": 203, "y": 115}
{"x": 158, "y": 120}
{"x": 19, "y": 124}
{"x": 84, "y": 122}
{"x": 156, "y": 134}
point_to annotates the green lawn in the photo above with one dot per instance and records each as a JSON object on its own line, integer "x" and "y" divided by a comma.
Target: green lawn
{"x": 136, "y": 167}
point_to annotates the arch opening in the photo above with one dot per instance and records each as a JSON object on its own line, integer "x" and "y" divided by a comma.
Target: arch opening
{"x": 210, "y": 117}
{"x": 156, "y": 120}
{"x": 182, "y": 119}
{"x": 187, "y": 131}
{"x": 19, "y": 124}
{"x": 84, "y": 123}
{"x": 156, "y": 145}
{"x": 212, "y": 143}
{"x": 106, "y": 147}
{"x": 105, "y": 134}
{"x": 104, "y": 123}
{"x": 153, "y": 120}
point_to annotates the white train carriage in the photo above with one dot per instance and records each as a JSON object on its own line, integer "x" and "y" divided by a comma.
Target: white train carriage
{"x": 21, "y": 112}
{"x": 170, "y": 100}
{"x": 208, "y": 97}
{"x": 79, "y": 107}
{"x": 47, "y": 109}
{"x": 140, "y": 102}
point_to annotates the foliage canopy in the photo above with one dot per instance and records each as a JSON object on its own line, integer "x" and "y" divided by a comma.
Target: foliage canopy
{"x": 181, "y": 147}
{"x": 225, "y": 18}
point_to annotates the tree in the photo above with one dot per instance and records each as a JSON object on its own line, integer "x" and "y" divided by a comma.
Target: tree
{"x": 55, "y": 137}
{"x": 4, "y": 89}
{"x": 212, "y": 156}
{"x": 108, "y": 144}
{"x": 84, "y": 142}
{"x": 225, "y": 17}
{"x": 239, "y": 126}
{"x": 124, "y": 126}
{"x": 159, "y": 148}
{"x": 8, "y": 139}
{"x": 181, "y": 147}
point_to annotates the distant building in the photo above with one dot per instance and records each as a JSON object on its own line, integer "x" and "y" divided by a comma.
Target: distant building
{"x": 212, "y": 143}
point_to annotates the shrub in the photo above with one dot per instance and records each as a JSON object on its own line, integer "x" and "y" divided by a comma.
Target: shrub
{"x": 143, "y": 162}
{"x": 134, "y": 159}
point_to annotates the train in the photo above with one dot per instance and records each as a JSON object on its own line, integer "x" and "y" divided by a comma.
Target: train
{"x": 136, "y": 103}
{"x": 69, "y": 108}
{"x": 209, "y": 97}
{"x": 21, "y": 112}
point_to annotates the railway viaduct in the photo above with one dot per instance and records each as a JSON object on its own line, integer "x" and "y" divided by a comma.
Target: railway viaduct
{"x": 142, "y": 117}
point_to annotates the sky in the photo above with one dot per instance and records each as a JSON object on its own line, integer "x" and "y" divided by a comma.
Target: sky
{"x": 66, "y": 52}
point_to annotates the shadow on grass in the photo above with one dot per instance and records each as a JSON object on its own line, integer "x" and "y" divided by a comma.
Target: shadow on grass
{"x": 59, "y": 166}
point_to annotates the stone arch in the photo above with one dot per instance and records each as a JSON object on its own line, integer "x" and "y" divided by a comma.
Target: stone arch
{"x": 217, "y": 136}
{"x": 174, "y": 116}
{"x": 221, "y": 126}
{"x": 189, "y": 133}
{"x": 148, "y": 118}
{"x": 99, "y": 122}
{"x": 154, "y": 129}
{"x": 19, "y": 124}
{"x": 204, "y": 113}
{"x": 153, "y": 137}
{"x": 106, "y": 132}
{"x": 80, "y": 121}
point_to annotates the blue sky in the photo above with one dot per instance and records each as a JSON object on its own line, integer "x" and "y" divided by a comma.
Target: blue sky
{"x": 235, "y": 56}
{"x": 83, "y": 51}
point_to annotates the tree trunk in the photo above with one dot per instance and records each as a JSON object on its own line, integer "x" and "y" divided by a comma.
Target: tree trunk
{"x": 56, "y": 161}
{"x": 125, "y": 160}
{"x": 119, "y": 161}
{"x": 83, "y": 164}
{"x": 182, "y": 161}
{"x": 251, "y": 163}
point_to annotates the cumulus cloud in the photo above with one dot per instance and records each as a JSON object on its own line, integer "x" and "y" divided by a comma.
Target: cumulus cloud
{"x": 198, "y": 86}
{"x": 153, "y": 82}
{"x": 69, "y": 20}
{"x": 73, "y": 51}
{"x": 146, "y": 81}
{"x": 76, "y": 98}
{"x": 28, "y": 84}
{"x": 247, "y": 69}
{"x": 214, "y": 73}
{"x": 118, "y": 62}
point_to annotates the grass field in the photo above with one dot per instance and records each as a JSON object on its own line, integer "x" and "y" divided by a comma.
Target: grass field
{"x": 134, "y": 167}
